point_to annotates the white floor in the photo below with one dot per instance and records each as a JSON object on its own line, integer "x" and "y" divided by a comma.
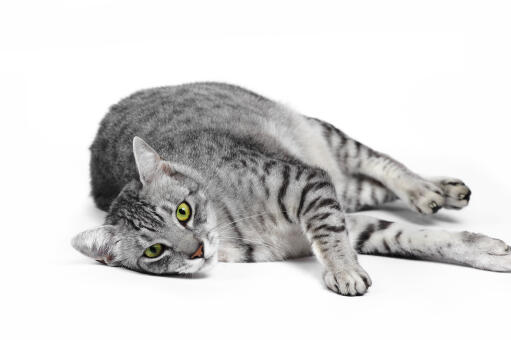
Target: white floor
{"x": 65, "y": 294}
{"x": 428, "y": 84}
{"x": 62, "y": 293}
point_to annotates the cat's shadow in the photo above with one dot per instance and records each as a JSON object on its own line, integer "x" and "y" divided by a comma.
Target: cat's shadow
{"x": 308, "y": 265}
{"x": 194, "y": 276}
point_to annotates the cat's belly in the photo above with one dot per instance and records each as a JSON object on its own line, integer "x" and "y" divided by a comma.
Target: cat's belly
{"x": 276, "y": 238}
{"x": 304, "y": 139}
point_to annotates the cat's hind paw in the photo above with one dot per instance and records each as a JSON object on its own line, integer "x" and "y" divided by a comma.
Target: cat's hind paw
{"x": 429, "y": 196}
{"x": 423, "y": 196}
{"x": 456, "y": 193}
{"x": 350, "y": 281}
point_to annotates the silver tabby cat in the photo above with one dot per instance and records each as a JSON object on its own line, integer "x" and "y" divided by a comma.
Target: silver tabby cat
{"x": 219, "y": 173}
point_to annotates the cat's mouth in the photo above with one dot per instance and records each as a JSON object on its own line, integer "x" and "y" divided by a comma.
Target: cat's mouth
{"x": 199, "y": 253}
{"x": 202, "y": 259}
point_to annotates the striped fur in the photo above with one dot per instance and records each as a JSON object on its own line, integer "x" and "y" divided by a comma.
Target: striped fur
{"x": 264, "y": 184}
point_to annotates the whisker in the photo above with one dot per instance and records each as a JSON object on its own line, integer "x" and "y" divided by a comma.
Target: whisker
{"x": 220, "y": 226}
{"x": 279, "y": 251}
{"x": 238, "y": 220}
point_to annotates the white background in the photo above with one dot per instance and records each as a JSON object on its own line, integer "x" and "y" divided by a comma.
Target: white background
{"x": 428, "y": 82}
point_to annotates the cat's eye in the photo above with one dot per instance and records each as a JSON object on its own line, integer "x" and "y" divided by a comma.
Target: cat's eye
{"x": 183, "y": 212}
{"x": 154, "y": 251}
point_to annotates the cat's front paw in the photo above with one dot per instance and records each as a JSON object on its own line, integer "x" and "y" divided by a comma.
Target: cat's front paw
{"x": 350, "y": 281}
{"x": 486, "y": 252}
{"x": 457, "y": 194}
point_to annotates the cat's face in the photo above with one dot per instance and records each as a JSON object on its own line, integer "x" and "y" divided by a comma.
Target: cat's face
{"x": 162, "y": 224}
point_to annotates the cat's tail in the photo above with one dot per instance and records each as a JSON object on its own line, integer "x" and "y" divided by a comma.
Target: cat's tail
{"x": 369, "y": 235}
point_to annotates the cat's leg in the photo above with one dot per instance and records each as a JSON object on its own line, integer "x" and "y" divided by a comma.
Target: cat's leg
{"x": 308, "y": 198}
{"x": 373, "y": 236}
{"x": 358, "y": 192}
{"x": 423, "y": 195}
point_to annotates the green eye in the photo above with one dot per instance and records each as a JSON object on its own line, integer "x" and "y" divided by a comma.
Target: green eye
{"x": 183, "y": 212}
{"x": 154, "y": 250}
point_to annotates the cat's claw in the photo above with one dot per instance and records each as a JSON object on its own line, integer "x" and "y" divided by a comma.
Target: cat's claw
{"x": 434, "y": 206}
{"x": 349, "y": 281}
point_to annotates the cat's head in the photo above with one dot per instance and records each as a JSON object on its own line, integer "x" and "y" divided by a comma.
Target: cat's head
{"x": 162, "y": 224}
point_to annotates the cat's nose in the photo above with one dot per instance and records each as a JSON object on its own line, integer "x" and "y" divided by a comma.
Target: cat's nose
{"x": 198, "y": 253}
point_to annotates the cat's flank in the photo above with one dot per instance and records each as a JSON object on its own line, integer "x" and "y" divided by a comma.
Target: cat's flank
{"x": 207, "y": 172}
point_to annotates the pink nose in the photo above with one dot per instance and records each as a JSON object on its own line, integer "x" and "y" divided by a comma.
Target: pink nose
{"x": 198, "y": 253}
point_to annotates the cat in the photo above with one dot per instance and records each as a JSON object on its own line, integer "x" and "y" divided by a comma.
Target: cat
{"x": 206, "y": 172}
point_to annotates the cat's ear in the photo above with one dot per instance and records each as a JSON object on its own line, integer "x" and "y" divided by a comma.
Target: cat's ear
{"x": 97, "y": 243}
{"x": 148, "y": 161}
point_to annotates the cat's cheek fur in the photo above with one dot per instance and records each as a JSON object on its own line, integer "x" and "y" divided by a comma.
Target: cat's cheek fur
{"x": 209, "y": 235}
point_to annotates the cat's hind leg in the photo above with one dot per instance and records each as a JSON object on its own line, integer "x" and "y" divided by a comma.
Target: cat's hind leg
{"x": 359, "y": 192}
{"x": 370, "y": 235}
{"x": 423, "y": 195}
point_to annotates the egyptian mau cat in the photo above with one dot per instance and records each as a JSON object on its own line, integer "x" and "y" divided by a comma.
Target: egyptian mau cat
{"x": 207, "y": 172}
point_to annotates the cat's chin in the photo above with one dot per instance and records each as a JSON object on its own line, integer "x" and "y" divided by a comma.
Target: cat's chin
{"x": 209, "y": 263}
{"x": 202, "y": 265}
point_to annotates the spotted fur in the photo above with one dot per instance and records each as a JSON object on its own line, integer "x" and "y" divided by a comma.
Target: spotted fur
{"x": 264, "y": 183}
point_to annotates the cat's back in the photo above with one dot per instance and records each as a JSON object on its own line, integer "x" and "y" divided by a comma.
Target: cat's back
{"x": 177, "y": 118}
{"x": 160, "y": 113}
{"x": 194, "y": 103}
